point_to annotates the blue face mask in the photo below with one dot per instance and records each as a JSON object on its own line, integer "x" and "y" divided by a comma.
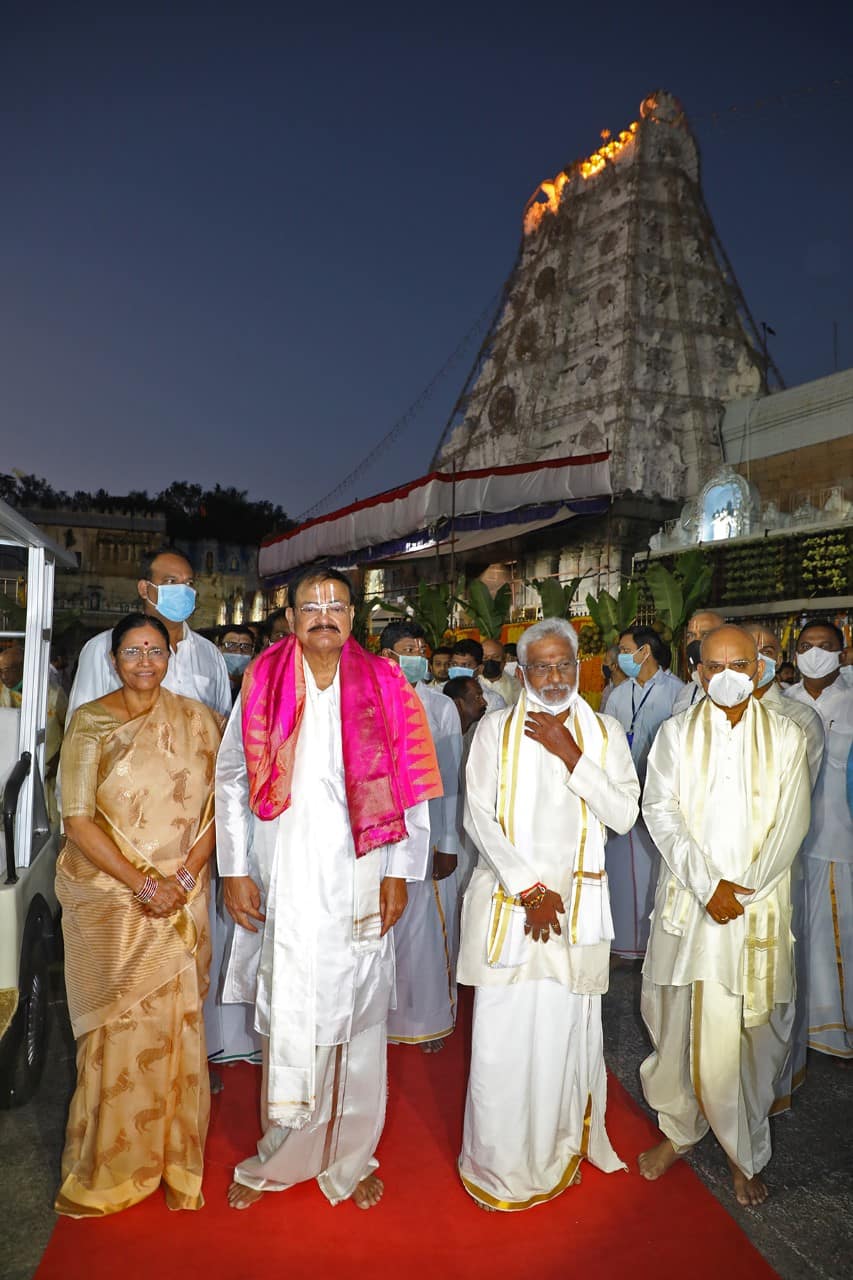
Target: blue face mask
{"x": 453, "y": 672}
{"x": 769, "y": 670}
{"x": 414, "y": 666}
{"x": 237, "y": 662}
{"x": 628, "y": 665}
{"x": 175, "y": 601}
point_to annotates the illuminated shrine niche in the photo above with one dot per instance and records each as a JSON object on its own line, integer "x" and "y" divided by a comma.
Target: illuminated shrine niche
{"x": 725, "y": 507}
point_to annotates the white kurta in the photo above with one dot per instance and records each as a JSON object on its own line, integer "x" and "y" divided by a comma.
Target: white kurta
{"x": 426, "y": 938}
{"x": 196, "y": 670}
{"x": 315, "y": 989}
{"x": 632, "y": 859}
{"x": 735, "y": 1026}
{"x": 828, "y": 865}
{"x": 537, "y": 1088}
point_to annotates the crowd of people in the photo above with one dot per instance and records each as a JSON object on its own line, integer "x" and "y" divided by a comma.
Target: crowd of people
{"x": 282, "y": 848}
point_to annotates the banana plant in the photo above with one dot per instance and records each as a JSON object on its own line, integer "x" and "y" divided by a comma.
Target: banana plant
{"x": 556, "y": 597}
{"x": 488, "y": 613}
{"x": 614, "y": 614}
{"x": 431, "y": 607}
{"x": 679, "y": 593}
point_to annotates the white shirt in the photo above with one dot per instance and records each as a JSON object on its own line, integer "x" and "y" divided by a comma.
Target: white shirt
{"x": 830, "y": 835}
{"x": 446, "y": 730}
{"x": 196, "y": 670}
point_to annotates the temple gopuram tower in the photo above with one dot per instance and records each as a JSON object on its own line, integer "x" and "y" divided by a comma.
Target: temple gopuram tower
{"x": 622, "y": 325}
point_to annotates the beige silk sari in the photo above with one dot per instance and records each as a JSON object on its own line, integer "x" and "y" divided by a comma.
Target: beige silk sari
{"x": 136, "y": 984}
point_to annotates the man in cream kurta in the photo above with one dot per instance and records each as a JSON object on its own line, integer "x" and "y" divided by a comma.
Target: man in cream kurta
{"x": 543, "y": 780}
{"x": 320, "y": 976}
{"x": 726, "y": 801}
{"x": 426, "y": 939}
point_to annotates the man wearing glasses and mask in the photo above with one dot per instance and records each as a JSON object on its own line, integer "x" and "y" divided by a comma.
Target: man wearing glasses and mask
{"x": 196, "y": 667}
{"x": 544, "y": 781}
{"x": 322, "y": 789}
{"x": 726, "y": 800}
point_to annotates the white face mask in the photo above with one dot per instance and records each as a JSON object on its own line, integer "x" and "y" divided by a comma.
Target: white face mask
{"x": 554, "y": 708}
{"x": 729, "y": 688}
{"x": 509, "y": 667}
{"x": 817, "y": 663}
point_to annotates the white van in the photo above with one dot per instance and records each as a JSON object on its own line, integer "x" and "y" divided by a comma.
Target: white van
{"x": 29, "y": 842}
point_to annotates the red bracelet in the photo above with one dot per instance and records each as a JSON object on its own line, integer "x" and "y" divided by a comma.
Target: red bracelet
{"x": 536, "y": 894}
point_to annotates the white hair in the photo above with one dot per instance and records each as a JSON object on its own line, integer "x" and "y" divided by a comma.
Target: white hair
{"x": 541, "y": 630}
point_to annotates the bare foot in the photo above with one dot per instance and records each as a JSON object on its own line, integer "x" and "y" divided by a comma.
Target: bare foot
{"x": 577, "y": 1179}
{"x": 655, "y": 1162}
{"x": 748, "y": 1191}
{"x": 240, "y": 1197}
{"x": 368, "y": 1192}
{"x": 432, "y": 1046}
{"x": 487, "y": 1208}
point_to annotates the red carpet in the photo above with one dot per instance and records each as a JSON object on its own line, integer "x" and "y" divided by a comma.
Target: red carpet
{"x": 613, "y": 1225}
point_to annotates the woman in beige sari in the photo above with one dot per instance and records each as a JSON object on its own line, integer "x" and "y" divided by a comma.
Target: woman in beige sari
{"x": 133, "y": 880}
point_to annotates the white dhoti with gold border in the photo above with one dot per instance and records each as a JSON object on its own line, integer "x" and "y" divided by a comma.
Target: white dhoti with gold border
{"x": 537, "y": 1094}
{"x": 829, "y": 896}
{"x": 710, "y": 1071}
{"x": 337, "y": 1146}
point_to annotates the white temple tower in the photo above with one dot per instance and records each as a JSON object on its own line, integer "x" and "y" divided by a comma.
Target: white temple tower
{"x": 621, "y": 326}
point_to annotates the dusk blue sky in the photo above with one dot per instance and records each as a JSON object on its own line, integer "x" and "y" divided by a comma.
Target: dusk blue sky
{"x": 236, "y": 245}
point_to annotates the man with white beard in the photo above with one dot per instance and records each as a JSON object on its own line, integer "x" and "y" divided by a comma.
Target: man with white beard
{"x": 828, "y": 849}
{"x": 544, "y": 780}
{"x": 726, "y": 800}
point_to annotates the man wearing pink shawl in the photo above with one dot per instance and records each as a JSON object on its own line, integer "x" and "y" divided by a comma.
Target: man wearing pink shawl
{"x": 322, "y": 790}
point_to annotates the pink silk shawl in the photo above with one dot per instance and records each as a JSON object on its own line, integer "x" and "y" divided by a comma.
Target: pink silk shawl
{"x": 389, "y": 757}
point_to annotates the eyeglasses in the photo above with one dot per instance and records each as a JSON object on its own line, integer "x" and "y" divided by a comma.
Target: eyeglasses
{"x": 234, "y": 646}
{"x": 564, "y": 668}
{"x": 740, "y": 664}
{"x": 336, "y": 608}
{"x": 135, "y": 653}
